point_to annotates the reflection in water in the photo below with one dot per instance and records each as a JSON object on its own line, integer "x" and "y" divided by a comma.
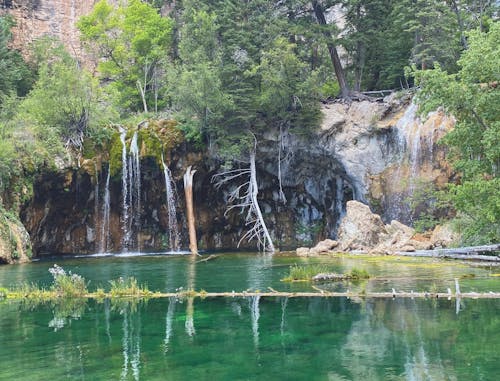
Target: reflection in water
{"x": 131, "y": 342}
{"x": 168, "y": 323}
{"x": 107, "y": 305}
{"x": 284, "y": 302}
{"x": 259, "y": 274}
{"x": 191, "y": 275}
{"x": 330, "y": 338}
{"x": 255, "y": 315}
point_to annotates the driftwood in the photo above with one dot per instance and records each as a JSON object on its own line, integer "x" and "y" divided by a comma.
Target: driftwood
{"x": 469, "y": 253}
{"x": 211, "y": 256}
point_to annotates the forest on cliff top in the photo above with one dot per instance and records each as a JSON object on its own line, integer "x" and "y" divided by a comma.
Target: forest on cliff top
{"x": 223, "y": 68}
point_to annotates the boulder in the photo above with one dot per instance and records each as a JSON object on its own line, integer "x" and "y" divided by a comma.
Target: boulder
{"x": 360, "y": 229}
{"x": 303, "y": 251}
{"x": 444, "y": 236}
{"x": 323, "y": 247}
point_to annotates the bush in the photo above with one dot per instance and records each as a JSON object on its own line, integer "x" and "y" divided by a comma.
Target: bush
{"x": 304, "y": 273}
{"x": 68, "y": 284}
{"x": 359, "y": 274}
{"x": 127, "y": 287}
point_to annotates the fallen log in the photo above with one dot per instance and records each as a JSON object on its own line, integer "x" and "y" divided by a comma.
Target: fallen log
{"x": 468, "y": 253}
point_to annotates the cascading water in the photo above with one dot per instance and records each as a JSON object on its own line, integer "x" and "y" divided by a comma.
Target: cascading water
{"x": 104, "y": 237}
{"x": 173, "y": 231}
{"x": 96, "y": 202}
{"x": 416, "y": 141}
{"x": 131, "y": 190}
{"x": 125, "y": 200}
{"x": 135, "y": 184}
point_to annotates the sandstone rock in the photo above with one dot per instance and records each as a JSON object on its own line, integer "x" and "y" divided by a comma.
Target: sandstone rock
{"x": 407, "y": 248}
{"x": 323, "y": 247}
{"x": 303, "y": 251}
{"x": 334, "y": 116}
{"x": 444, "y": 236}
{"x": 360, "y": 228}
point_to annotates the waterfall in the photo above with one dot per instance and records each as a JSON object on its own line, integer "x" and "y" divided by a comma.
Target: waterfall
{"x": 96, "y": 203}
{"x": 173, "y": 231}
{"x": 135, "y": 183}
{"x": 415, "y": 141}
{"x": 103, "y": 245}
{"x": 125, "y": 195}
{"x": 131, "y": 190}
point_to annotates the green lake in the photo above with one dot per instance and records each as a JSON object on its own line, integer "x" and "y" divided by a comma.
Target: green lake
{"x": 253, "y": 338}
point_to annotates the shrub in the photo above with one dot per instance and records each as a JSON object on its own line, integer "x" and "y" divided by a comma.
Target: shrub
{"x": 359, "y": 274}
{"x": 67, "y": 284}
{"x": 304, "y": 273}
{"x": 127, "y": 287}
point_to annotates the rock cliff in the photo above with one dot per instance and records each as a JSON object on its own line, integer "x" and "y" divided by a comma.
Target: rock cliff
{"x": 363, "y": 151}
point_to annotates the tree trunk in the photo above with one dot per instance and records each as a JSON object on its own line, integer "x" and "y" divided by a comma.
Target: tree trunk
{"x": 337, "y": 65}
{"x": 267, "y": 241}
{"x": 460, "y": 22}
{"x": 188, "y": 190}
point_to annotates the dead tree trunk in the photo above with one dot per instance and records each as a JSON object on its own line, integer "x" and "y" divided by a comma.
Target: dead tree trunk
{"x": 188, "y": 191}
{"x": 244, "y": 197}
{"x": 337, "y": 65}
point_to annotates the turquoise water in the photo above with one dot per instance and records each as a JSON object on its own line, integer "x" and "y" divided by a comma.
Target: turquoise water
{"x": 251, "y": 338}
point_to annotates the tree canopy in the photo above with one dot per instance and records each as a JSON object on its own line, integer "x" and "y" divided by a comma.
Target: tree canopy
{"x": 472, "y": 96}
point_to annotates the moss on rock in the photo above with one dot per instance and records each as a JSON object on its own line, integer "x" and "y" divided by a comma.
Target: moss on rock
{"x": 15, "y": 244}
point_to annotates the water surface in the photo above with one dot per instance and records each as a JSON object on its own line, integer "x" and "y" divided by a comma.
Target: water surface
{"x": 252, "y": 338}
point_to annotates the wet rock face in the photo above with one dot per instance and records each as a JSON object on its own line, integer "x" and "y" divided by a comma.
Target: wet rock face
{"x": 66, "y": 214}
{"x": 362, "y": 152}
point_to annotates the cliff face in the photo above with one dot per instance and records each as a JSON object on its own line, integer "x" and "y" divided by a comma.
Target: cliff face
{"x": 37, "y": 18}
{"x": 377, "y": 153}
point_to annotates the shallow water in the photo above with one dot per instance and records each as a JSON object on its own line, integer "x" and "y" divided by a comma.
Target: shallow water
{"x": 252, "y": 338}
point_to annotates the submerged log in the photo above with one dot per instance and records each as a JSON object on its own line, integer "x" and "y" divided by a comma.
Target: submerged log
{"x": 330, "y": 277}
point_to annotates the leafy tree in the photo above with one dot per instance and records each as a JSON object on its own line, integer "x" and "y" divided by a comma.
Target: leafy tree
{"x": 16, "y": 76}
{"x": 132, "y": 42}
{"x": 65, "y": 103}
{"x": 472, "y": 97}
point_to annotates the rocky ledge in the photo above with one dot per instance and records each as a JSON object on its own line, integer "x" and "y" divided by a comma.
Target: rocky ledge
{"x": 362, "y": 230}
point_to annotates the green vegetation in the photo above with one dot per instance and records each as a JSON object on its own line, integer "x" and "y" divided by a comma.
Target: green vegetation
{"x": 304, "y": 273}
{"x": 221, "y": 72}
{"x": 128, "y": 287}
{"x": 472, "y": 96}
{"x": 67, "y": 284}
{"x": 358, "y": 274}
{"x": 131, "y": 41}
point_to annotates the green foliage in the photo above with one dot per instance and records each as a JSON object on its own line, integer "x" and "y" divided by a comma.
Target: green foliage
{"x": 65, "y": 104}
{"x": 304, "y": 273}
{"x": 16, "y": 77}
{"x": 127, "y": 287}
{"x": 67, "y": 284}
{"x": 358, "y": 274}
{"x": 132, "y": 41}
{"x": 472, "y": 96}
